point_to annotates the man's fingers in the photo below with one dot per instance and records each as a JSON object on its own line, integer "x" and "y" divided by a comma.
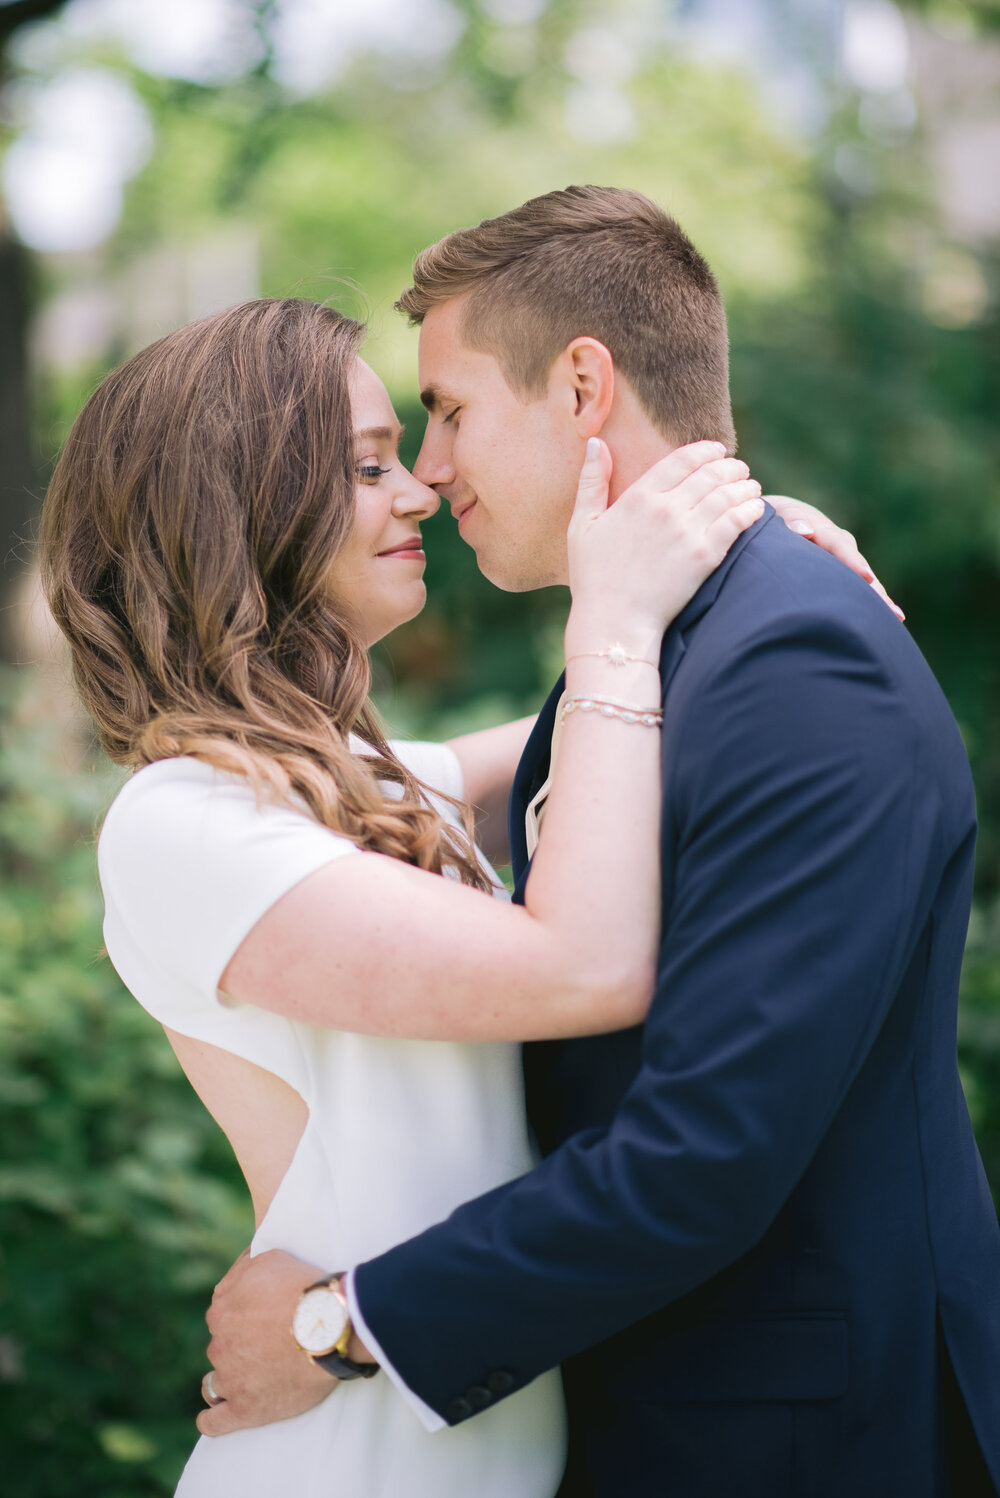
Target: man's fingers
{"x": 595, "y": 480}
{"x": 219, "y": 1421}
{"x": 224, "y": 1284}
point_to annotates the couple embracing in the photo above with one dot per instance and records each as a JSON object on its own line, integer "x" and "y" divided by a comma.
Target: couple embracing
{"x": 744, "y": 1212}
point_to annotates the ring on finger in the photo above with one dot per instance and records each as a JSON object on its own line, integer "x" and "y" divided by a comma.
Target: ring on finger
{"x": 208, "y": 1389}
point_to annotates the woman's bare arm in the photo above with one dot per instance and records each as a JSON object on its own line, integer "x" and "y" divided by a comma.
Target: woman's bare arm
{"x": 489, "y": 758}
{"x": 373, "y": 945}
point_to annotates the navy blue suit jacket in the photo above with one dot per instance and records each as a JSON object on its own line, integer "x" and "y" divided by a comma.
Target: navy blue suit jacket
{"x": 761, "y": 1239}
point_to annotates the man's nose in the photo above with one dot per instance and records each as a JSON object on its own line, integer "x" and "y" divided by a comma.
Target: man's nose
{"x": 433, "y": 466}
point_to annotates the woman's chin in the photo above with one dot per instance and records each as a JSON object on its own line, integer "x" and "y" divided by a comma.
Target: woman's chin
{"x": 407, "y": 604}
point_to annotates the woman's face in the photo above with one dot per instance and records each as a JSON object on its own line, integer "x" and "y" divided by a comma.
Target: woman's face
{"x": 378, "y": 576}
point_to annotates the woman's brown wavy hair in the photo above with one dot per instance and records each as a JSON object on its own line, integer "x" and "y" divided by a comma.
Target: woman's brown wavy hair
{"x": 187, "y": 539}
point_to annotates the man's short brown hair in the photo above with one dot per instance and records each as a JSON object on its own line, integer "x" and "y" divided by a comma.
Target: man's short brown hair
{"x": 598, "y": 262}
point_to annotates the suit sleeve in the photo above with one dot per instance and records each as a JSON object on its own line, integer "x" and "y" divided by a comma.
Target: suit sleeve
{"x": 804, "y": 829}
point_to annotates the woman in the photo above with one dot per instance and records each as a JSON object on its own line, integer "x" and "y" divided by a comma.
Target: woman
{"x": 228, "y": 530}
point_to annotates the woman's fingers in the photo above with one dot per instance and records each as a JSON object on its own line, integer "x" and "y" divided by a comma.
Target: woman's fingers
{"x": 737, "y": 517}
{"x": 690, "y": 489}
{"x": 678, "y": 465}
{"x": 617, "y": 551}
{"x": 679, "y": 521}
{"x": 805, "y": 520}
{"x": 710, "y": 478}
{"x": 723, "y": 497}
{"x": 811, "y": 523}
{"x": 878, "y": 588}
{"x": 705, "y": 532}
{"x": 595, "y": 481}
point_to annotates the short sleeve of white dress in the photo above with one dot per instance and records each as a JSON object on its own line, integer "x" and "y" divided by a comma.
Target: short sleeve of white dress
{"x": 189, "y": 862}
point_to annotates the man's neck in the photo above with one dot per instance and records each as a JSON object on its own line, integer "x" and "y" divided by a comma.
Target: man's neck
{"x": 635, "y": 447}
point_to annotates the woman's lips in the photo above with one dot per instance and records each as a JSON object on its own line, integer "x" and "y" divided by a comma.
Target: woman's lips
{"x": 410, "y": 551}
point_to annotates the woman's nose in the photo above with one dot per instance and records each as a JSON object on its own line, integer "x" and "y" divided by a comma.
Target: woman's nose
{"x": 415, "y": 498}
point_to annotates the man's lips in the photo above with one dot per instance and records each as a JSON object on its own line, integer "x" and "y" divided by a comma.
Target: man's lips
{"x": 463, "y": 512}
{"x": 409, "y": 550}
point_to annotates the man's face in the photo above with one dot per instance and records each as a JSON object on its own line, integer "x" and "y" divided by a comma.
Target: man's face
{"x": 507, "y": 467}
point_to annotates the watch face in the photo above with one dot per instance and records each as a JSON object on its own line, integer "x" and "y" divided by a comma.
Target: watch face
{"x": 319, "y": 1321}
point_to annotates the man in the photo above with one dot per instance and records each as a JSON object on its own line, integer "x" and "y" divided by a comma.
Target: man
{"x": 761, "y": 1242}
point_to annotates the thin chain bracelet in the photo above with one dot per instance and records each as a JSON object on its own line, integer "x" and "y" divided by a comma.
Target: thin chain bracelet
{"x": 608, "y": 707}
{"x": 615, "y": 655}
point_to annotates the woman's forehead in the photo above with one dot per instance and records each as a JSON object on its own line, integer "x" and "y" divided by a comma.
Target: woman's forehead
{"x": 370, "y": 403}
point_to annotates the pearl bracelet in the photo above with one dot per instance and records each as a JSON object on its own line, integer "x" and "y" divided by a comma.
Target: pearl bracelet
{"x": 608, "y": 707}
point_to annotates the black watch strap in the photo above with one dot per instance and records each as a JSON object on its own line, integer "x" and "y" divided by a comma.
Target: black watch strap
{"x": 345, "y": 1368}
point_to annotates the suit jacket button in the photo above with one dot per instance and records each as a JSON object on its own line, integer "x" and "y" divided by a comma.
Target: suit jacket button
{"x": 457, "y": 1411}
{"x": 478, "y": 1396}
{"x": 501, "y": 1382}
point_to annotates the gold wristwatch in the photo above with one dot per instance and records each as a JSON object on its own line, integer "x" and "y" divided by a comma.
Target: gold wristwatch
{"x": 322, "y": 1328}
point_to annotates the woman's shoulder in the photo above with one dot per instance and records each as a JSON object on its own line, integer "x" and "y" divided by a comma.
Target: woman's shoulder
{"x": 179, "y": 809}
{"x": 182, "y": 769}
{"x": 187, "y": 816}
{"x": 168, "y": 787}
{"x": 157, "y": 777}
{"x": 187, "y": 848}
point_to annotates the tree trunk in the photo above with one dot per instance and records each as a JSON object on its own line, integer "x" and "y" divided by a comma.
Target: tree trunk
{"x": 19, "y": 468}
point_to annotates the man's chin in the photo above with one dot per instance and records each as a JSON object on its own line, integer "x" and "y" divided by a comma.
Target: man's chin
{"x": 508, "y": 580}
{"x": 510, "y": 573}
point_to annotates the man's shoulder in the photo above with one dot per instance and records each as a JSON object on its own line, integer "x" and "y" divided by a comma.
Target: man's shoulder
{"x": 784, "y": 588}
{"x": 780, "y": 577}
{"x": 793, "y": 627}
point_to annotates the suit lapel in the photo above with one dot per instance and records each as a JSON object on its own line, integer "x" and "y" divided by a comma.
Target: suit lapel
{"x": 671, "y": 655}
{"x": 529, "y": 776}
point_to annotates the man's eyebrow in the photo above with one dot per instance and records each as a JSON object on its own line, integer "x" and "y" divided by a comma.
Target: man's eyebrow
{"x": 380, "y": 434}
{"x": 432, "y": 397}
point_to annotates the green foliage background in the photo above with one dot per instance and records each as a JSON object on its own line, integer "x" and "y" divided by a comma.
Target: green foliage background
{"x": 119, "y": 1198}
{"x": 119, "y": 1202}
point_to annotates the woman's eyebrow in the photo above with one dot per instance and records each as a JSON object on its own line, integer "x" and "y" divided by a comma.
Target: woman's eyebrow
{"x": 380, "y": 434}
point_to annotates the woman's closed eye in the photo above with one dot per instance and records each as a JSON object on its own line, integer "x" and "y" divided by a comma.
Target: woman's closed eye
{"x": 370, "y": 473}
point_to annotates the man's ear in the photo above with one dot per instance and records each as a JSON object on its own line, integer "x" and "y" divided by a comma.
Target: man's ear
{"x": 587, "y": 372}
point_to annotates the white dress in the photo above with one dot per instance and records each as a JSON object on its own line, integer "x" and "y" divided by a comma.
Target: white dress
{"x": 399, "y": 1133}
